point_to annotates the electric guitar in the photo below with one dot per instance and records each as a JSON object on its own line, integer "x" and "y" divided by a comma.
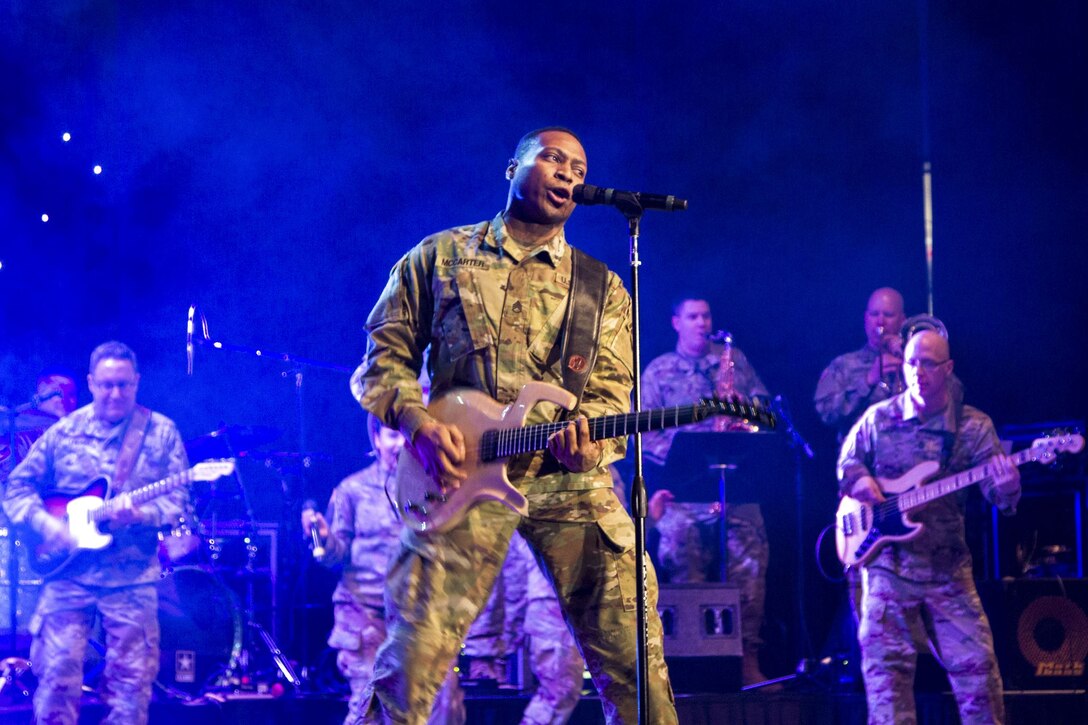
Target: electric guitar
{"x": 861, "y": 529}
{"x": 83, "y": 512}
{"x": 494, "y": 432}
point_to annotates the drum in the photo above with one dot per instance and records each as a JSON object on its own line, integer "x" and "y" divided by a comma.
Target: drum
{"x": 180, "y": 545}
{"x": 201, "y": 626}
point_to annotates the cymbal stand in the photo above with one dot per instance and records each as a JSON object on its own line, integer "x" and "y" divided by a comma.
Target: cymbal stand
{"x": 238, "y": 669}
{"x": 11, "y": 414}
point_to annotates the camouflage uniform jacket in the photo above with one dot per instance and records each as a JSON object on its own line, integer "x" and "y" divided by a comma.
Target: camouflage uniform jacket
{"x": 491, "y": 313}
{"x": 674, "y": 379}
{"x": 365, "y": 531}
{"x": 842, "y": 393}
{"x": 887, "y": 441}
{"x": 75, "y": 451}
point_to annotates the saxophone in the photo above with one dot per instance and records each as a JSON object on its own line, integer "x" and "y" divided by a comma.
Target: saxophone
{"x": 725, "y": 385}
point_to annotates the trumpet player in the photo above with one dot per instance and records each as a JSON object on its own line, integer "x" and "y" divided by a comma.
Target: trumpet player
{"x": 699, "y": 369}
{"x": 856, "y": 380}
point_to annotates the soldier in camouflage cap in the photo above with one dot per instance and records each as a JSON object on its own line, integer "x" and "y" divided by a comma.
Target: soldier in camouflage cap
{"x": 116, "y": 583}
{"x": 489, "y": 301}
{"x": 926, "y": 580}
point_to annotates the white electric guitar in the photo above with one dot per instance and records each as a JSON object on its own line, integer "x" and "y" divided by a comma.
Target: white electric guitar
{"x": 862, "y": 529}
{"x": 494, "y": 432}
{"x": 82, "y": 513}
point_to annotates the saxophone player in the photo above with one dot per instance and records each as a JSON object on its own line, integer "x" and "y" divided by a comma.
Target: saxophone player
{"x": 687, "y": 545}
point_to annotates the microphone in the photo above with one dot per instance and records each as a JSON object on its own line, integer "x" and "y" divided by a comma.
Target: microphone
{"x": 588, "y": 195}
{"x": 315, "y": 539}
{"x": 189, "y": 341}
{"x": 39, "y": 399}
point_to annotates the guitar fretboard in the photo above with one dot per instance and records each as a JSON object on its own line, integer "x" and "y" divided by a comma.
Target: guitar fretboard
{"x": 963, "y": 479}
{"x": 145, "y": 493}
{"x": 495, "y": 444}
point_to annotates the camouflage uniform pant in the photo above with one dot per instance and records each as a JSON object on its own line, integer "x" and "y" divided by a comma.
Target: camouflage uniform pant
{"x": 438, "y": 582}
{"x": 358, "y": 630}
{"x": 523, "y": 611}
{"x": 687, "y": 549}
{"x": 553, "y": 657}
{"x": 960, "y": 635}
{"x": 62, "y": 625}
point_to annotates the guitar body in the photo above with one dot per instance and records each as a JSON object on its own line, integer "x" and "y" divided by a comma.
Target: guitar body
{"x": 75, "y": 512}
{"x": 423, "y": 505}
{"x": 861, "y": 530}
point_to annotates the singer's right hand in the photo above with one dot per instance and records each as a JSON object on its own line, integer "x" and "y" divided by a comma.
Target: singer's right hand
{"x": 440, "y": 449}
{"x": 311, "y": 519}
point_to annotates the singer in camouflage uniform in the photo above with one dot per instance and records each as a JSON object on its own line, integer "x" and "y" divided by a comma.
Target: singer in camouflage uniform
{"x": 360, "y": 532}
{"x": 116, "y": 583}
{"x": 489, "y": 300}
{"x": 926, "y": 581}
{"x": 687, "y": 529}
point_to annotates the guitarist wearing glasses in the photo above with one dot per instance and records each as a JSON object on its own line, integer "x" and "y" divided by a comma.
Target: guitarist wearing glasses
{"x": 111, "y": 445}
{"x": 927, "y": 578}
{"x": 490, "y": 301}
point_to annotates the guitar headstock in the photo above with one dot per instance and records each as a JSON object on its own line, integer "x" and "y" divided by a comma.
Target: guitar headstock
{"x": 1045, "y": 450}
{"x": 211, "y": 470}
{"x": 753, "y": 412}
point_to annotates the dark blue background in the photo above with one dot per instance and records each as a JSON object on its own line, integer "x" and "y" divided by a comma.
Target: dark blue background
{"x": 270, "y": 161}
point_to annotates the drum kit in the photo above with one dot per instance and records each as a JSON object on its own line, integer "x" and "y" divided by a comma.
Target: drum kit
{"x": 217, "y": 563}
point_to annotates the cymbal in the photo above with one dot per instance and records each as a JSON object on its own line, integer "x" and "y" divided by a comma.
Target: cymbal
{"x": 26, "y": 421}
{"x": 231, "y": 440}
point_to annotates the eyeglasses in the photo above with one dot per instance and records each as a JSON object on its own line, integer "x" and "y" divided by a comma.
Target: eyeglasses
{"x": 927, "y": 365}
{"x": 109, "y": 386}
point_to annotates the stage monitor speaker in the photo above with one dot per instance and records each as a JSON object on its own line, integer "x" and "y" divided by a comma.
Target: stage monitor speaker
{"x": 1040, "y": 632}
{"x": 700, "y": 620}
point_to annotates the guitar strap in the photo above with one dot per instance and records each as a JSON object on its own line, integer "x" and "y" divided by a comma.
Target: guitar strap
{"x": 130, "y": 447}
{"x": 582, "y": 326}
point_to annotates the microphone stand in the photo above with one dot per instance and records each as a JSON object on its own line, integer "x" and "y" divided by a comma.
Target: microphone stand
{"x": 295, "y": 375}
{"x": 630, "y": 207}
{"x": 800, "y": 446}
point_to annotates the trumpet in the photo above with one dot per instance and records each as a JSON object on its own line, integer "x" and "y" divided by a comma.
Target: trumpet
{"x": 891, "y": 382}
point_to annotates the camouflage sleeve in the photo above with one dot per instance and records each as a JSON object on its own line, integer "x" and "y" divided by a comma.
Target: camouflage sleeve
{"x": 169, "y": 509}
{"x": 854, "y": 456}
{"x": 608, "y": 390}
{"x": 22, "y": 497}
{"x": 839, "y": 395}
{"x": 982, "y": 443}
{"x": 340, "y": 516}
{"x": 387, "y": 381}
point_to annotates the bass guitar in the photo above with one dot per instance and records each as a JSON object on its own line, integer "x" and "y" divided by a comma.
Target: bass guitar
{"x": 494, "y": 432}
{"x": 83, "y": 512}
{"x": 861, "y": 529}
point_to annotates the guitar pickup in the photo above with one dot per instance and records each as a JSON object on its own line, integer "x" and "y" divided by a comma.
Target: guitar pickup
{"x": 846, "y": 523}
{"x": 432, "y": 496}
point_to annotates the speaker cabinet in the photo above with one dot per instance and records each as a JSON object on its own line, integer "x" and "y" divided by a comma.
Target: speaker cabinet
{"x": 1040, "y": 632}
{"x": 700, "y": 620}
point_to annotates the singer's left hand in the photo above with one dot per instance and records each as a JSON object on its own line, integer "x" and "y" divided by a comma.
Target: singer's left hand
{"x": 573, "y": 447}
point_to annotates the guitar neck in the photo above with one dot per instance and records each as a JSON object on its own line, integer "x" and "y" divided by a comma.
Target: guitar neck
{"x": 944, "y": 486}
{"x": 146, "y": 493}
{"x": 502, "y": 443}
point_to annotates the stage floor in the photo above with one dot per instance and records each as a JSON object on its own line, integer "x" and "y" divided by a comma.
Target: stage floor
{"x": 779, "y": 708}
